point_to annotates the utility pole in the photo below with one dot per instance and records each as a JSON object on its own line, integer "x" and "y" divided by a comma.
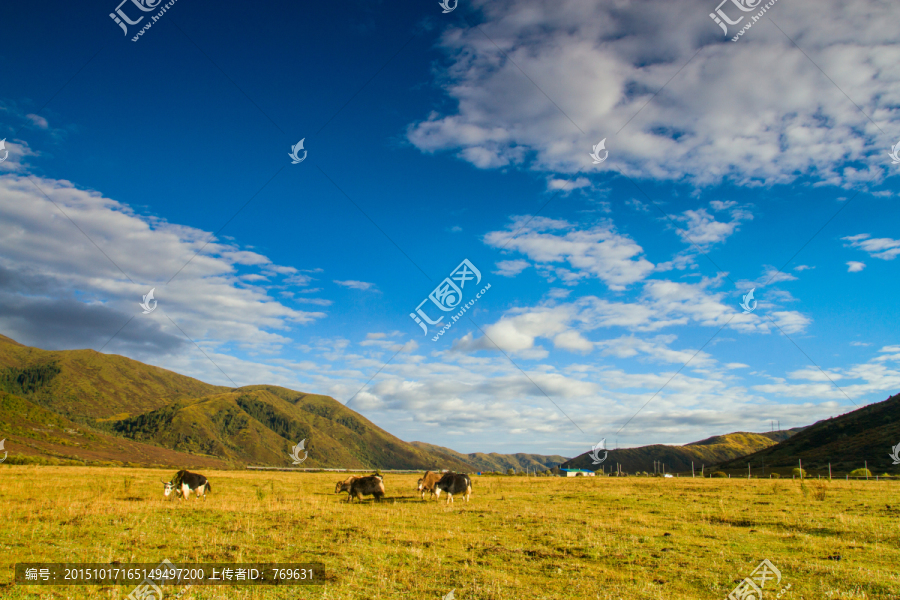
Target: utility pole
{"x": 829, "y": 471}
{"x": 692, "y": 469}
{"x": 801, "y": 468}
{"x": 748, "y": 470}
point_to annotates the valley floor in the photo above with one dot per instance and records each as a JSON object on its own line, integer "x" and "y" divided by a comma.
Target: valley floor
{"x": 518, "y": 538}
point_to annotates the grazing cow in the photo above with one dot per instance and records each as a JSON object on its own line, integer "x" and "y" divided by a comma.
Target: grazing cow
{"x": 427, "y": 483}
{"x": 184, "y": 483}
{"x": 371, "y": 485}
{"x": 453, "y": 484}
{"x": 344, "y": 486}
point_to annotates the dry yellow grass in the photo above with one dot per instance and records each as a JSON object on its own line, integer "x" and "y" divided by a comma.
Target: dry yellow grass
{"x": 519, "y": 538}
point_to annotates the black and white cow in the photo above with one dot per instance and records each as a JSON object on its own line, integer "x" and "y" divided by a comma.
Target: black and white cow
{"x": 185, "y": 482}
{"x": 452, "y": 483}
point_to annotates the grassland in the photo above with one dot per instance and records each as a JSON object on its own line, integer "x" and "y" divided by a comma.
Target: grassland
{"x": 522, "y": 538}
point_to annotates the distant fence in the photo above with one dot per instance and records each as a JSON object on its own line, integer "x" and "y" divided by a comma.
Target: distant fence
{"x": 315, "y": 469}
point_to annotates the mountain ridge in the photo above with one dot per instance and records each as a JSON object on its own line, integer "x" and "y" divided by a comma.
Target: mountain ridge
{"x": 697, "y": 455}
{"x": 847, "y": 442}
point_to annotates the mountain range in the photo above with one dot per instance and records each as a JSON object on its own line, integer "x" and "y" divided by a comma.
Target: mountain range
{"x": 697, "y": 455}
{"x": 863, "y": 437}
{"x": 84, "y": 407}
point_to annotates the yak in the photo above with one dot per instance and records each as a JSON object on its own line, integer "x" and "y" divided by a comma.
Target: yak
{"x": 451, "y": 483}
{"x": 371, "y": 485}
{"x": 185, "y": 482}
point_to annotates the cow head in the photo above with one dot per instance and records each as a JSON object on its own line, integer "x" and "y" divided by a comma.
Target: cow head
{"x": 169, "y": 487}
{"x": 421, "y": 485}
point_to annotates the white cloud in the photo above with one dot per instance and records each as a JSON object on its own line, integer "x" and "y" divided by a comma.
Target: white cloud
{"x": 18, "y": 151}
{"x": 874, "y": 376}
{"x": 719, "y": 115}
{"x": 656, "y": 348}
{"x": 38, "y": 121}
{"x": 59, "y": 290}
{"x": 355, "y": 285}
{"x": 661, "y": 304}
{"x": 511, "y": 268}
{"x": 702, "y": 229}
{"x": 598, "y": 251}
{"x": 554, "y": 184}
{"x": 855, "y": 267}
{"x": 637, "y": 205}
{"x": 883, "y": 248}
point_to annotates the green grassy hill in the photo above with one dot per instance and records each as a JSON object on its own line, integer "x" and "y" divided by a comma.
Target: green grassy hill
{"x": 498, "y": 462}
{"x": 36, "y": 435}
{"x": 88, "y": 384}
{"x": 847, "y": 442}
{"x": 259, "y": 425}
{"x": 126, "y": 411}
{"x": 678, "y": 458}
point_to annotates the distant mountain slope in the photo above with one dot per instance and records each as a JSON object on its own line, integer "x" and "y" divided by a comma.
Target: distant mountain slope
{"x": 498, "y": 462}
{"x": 33, "y": 431}
{"x": 678, "y": 458}
{"x": 847, "y": 442}
{"x": 90, "y": 384}
{"x": 260, "y": 424}
{"x": 179, "y": 420}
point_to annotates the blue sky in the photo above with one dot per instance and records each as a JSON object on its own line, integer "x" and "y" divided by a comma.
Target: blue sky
{"x": 615, "y": 288}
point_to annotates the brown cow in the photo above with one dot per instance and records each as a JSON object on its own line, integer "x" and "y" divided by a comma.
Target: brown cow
{"x": 427, "y": 483}
{"x": 371, "y": 485}
{"x": 344, "y": 486}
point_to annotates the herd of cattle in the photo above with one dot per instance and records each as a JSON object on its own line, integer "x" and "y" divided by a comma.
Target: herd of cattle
{"x": 356, "y": 486}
